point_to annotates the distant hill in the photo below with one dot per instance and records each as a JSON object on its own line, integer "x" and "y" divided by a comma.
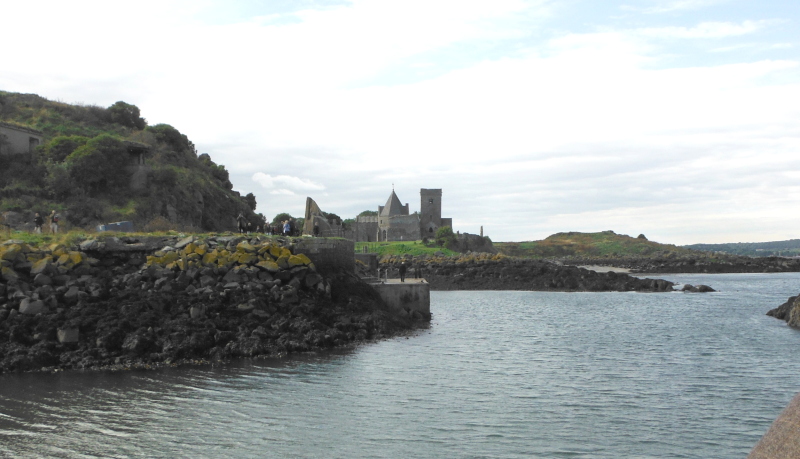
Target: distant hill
{"x": 790, "y": 248}
{"x": 589, "y": 245}
{"x": 98, "y": 165}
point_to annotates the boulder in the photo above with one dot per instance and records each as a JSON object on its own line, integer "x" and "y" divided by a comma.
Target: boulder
{"x": 68, "y": 335}
{"x": 31, "y": 307}
{"x": 42, "y": 279}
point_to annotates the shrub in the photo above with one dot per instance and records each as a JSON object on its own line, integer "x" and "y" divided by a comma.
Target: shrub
{"x": 127, "y": 115}
{"x": 100, "y": 165}
{"x": 62, "y": 146}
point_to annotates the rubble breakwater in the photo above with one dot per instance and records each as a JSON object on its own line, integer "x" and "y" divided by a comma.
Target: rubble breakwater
{"x": 118, "y": 303}
{"x": 482, "y": 271}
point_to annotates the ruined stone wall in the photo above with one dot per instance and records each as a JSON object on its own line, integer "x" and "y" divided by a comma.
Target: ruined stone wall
{"x": 402, "y": 228}
{"x": 365, "y": 229}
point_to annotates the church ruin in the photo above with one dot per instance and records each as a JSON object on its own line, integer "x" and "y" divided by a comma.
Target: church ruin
{"x": 394, "y": 222}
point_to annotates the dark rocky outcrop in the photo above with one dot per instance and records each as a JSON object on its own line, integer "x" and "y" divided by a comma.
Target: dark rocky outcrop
{"x": 788, "y": 311}
{"x": 118, "y": 303}
{"x": 672, "y": 263}
{"x": 493, "y": 272}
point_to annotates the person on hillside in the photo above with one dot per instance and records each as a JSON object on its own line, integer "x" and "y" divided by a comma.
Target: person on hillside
{"x": 54, "y": 222}
{"x": 242, "y": 222}
{"x": 402, "y": 270}
{"x": 38, "y": 221}
{"x": 287, "y": 228}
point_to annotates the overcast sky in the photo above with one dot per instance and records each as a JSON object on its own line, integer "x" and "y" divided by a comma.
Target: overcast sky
{"x": 679, "y": 119}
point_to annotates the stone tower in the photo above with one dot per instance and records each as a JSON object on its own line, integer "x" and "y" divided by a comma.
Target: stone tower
{"x": 430, "y": 209}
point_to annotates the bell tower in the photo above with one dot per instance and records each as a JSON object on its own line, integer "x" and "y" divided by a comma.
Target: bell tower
{"x": 430, "y": 206}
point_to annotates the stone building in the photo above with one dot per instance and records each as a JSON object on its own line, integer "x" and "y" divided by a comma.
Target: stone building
{"x": 394, "y": 221}
{"x": 18, "y": 140}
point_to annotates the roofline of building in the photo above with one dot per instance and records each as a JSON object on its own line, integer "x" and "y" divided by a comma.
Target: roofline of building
{"x": 22, "y": 128}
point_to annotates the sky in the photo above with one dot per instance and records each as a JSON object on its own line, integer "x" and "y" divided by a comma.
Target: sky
{"x": 677, "y": 119}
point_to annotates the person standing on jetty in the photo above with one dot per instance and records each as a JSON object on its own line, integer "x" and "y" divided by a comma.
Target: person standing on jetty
{"x": 402, "y": 270}
{"x": 38, "y": 221}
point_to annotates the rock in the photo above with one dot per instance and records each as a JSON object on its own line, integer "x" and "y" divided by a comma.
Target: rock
{"x": 42, "y": 266}
{"x": 197, "y": 312}
{"x": 72, "y": 295}
{"x": 42, "y": 279}
{"x": 68, "y": 335}
{"x": 184, "y": 242}
{"x": 31, "y": 307}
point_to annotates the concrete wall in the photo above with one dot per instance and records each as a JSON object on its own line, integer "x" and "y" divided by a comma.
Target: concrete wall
{"x": 414, "y": 296}
{"x": 328, "y": 255}
{"x": 19, "y": 140}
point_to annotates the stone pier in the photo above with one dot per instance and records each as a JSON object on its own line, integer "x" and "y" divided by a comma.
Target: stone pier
{"x": 413, "y": 294}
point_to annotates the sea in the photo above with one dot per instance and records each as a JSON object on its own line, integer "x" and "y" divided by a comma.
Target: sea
{"x": 497, "y": 374}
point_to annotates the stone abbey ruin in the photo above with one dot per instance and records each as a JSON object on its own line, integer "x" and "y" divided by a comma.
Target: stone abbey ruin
{"x": 394, "y": 222}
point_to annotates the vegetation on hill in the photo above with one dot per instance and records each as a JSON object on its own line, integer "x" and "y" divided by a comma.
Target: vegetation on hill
{"x": 790, "y": 248}
{"x": 83, "y": 170}
{"x": 588, "y": 245}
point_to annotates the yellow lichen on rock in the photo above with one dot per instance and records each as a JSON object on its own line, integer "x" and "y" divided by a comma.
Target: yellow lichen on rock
{"x": 283, "y": 262}
{"x": 247, "y": 258}
{"x": 76, "y": 258}
{"x": 298, "y": 260}
{"x": 268, "y": 265}
{"x": 190, "y": 248}
{"x": 10, "y": 252}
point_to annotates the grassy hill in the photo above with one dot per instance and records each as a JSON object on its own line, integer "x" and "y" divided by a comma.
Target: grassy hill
{"x": 588, "y": 245}
{"x": 83, "y": 170}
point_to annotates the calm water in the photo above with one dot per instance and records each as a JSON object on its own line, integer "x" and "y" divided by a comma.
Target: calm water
{"x": 498, "y": 374}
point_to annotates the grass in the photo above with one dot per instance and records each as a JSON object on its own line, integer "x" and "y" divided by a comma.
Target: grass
{"x": 602, "y": 244}
{"x": 414, "y": 248}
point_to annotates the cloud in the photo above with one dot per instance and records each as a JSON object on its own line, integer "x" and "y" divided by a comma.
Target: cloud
{"x": 706, "y": 30}
{"x": 674, "y": 5}
{"x": 285, "y": 183}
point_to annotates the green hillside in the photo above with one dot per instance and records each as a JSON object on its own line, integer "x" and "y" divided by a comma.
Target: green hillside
{"x": 83, "y": 170}
{"x": 602, "y": 244}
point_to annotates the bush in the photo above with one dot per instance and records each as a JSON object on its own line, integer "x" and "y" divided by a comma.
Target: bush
{"x": 100, "y": 165}
{"x": 445, "y": 237}
{"x": 127, "y": 115}
{"x": 62, "y": 146}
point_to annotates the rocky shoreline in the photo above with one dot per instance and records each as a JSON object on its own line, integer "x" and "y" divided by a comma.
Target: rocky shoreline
{"x": 672, "y": 263}
{"x": 482, "y": 271}
{"x": 118, "y": 304}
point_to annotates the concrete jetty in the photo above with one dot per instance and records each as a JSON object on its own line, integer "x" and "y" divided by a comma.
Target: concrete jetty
{"x": 413, "y": 294}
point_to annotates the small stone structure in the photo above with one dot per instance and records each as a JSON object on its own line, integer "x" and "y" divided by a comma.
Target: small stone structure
{"x": 18, "y": 140}
{"x": 410, "y": 296}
